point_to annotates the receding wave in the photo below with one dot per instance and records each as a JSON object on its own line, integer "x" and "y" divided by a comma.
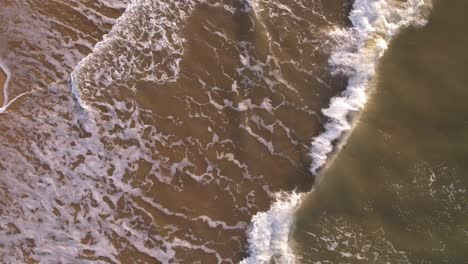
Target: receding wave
{"x": 175, "y": 131}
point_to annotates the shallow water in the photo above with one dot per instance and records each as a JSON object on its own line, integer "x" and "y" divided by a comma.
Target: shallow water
{"x": 152, "y": 131}
{"x": 397, "y": 191}
{"x": 184, "y": 132}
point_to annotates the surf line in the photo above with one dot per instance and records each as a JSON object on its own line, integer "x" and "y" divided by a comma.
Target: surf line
{"x": 356, "y": 55}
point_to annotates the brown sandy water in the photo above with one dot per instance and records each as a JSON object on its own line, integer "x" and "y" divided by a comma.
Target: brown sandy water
{"x": 161, "y": 145}
{"x": 155, "y": 137}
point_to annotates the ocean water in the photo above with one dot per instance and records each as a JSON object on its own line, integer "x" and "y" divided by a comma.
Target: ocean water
{"x": 153, "y": 131}
{"x": 193, "y": 131}
{"x": 397, "y": 191}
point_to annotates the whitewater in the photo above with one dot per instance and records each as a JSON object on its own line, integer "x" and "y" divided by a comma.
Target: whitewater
{"x": 356, "y": 55}
{"x": 146, "y": 156}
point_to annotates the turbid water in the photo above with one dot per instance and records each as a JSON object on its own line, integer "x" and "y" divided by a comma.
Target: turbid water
{"x": 398, "y": 191}
{"x": 189, "y": 131}
{"x": 152, "y": 131}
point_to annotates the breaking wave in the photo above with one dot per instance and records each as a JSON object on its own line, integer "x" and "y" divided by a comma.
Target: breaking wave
{"x": 356, "y": 55}
{"x": 76, "y": 162}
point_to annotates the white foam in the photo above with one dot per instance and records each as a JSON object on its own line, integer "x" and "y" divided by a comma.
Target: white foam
{"x": 44, "y": 48}
{"x": 358, "y": 50}
{"x": 269, "y": 232}
{"x": 85, "y": 183}
{"x": 42, "y": 199}
{"x": 161, "y": 43}
{"x": 5, "y": 86}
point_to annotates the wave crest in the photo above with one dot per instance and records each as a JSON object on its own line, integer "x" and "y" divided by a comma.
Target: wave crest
{"x": 356, "y": 55}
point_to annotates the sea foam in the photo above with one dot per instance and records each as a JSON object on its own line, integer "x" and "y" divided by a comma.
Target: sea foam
{"x": 269, "y": 231}
{"x": 356, "y": 55}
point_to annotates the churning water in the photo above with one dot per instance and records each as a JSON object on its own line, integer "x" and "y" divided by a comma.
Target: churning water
{"x": 190, "y": 131}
